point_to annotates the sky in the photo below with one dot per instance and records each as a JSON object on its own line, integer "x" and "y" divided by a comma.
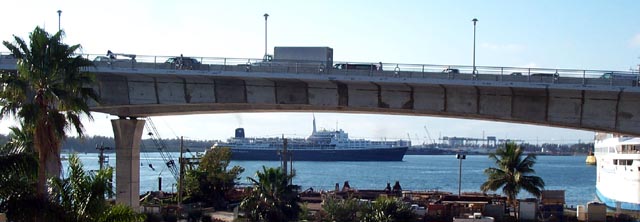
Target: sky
{"x": 585, "y": 34}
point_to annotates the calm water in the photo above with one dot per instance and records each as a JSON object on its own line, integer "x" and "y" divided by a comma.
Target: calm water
{"x": 437, "y": 172}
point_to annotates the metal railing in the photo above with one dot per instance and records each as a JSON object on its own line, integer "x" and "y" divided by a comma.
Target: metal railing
{"x": 377, "y": 69}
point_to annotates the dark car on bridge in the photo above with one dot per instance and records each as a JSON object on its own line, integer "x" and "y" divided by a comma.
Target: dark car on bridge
{"x": 347, "y": 66}
{"x": 184, "y": 63}
{"x": 105, "y": 59}
{"x": 545, "y": 75}
{"x": 451, "y": 71}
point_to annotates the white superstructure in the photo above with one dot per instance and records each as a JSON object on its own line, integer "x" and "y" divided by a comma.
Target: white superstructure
{"x": 618, "y": 173}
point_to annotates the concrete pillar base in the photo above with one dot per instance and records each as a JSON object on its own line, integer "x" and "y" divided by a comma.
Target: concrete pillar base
{"x": 128, "y": 134}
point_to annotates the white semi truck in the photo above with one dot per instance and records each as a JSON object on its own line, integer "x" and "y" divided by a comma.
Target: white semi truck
{"x": 319, "y": 55}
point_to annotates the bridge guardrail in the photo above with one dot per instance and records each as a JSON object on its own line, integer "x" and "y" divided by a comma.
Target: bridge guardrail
{"x": 433, "y": 71}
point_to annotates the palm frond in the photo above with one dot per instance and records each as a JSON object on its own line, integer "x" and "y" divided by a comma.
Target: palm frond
{"x": 121, "y": 213}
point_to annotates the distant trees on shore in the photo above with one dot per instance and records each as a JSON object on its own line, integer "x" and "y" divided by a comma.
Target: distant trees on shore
{"x": 88, "y": 144}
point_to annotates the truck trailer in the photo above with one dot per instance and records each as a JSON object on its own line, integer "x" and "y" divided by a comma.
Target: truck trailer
{"x": 319, "y": 55}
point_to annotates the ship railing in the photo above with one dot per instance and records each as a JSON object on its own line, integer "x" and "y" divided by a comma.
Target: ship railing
{"x": 618, "y": 150}
{"x": 628, "y": 152}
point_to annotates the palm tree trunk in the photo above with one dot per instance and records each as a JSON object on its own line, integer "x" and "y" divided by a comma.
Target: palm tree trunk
{"x": 42, "y": 178}
{"x": 41, "y": 188}
{"x": 52, "y": 162}
{"x": 42, "y": 157}
{"x": 49, "y": 147}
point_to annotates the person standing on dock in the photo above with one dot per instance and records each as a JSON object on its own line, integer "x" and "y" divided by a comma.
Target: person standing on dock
{"x": 346, "y": 186}
{"x": 397, "y": 189}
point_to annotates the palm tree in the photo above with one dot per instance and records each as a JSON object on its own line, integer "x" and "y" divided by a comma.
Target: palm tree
{"x": 19, "y": 166}
{"x": 18, "y": 178}
{"x": 82, "y": 196}
{"x": 513, "y": 173}
{"x": 339, "y": 209}
{"x": 49, "y": 92}
{"x": 389, "y": 209}
{"x": 271, "y": 197}
{"x": 20, "y": 140}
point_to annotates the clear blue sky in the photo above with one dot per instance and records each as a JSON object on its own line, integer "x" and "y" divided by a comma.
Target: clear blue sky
{"x": 551, "y": 34}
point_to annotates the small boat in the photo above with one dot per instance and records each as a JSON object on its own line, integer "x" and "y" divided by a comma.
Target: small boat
{"x": 591, "y": 159}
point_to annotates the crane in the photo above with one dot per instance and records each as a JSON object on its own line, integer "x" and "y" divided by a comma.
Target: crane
{"x": 428, "y": 135}
{"x": 162, "y": 148}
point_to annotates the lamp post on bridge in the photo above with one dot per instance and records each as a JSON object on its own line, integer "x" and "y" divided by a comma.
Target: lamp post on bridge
{"x": 59, "y": 14}
{"x": 460, "y": 157}
{"x": 265, "y": 35}
{"x": 474, "y": 20}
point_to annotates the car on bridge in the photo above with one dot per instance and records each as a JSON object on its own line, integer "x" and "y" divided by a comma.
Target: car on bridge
{"x": 615, "y": 75}
{"x": 451, "y": 71}
{"x": 624, "y": 78}
{"x": 351, "y": 66}
{"x": 543, "y": 75}
{"x": 105, "y": 59}
{"x": 184, "y": 63}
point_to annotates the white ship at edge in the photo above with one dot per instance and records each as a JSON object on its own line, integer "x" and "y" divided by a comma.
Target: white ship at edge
{"x": 618, "y": 170}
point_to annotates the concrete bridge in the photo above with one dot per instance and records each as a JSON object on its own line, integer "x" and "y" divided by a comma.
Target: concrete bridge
{"x": 577, "y": 99}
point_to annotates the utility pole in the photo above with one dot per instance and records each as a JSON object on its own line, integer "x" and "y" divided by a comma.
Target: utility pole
{"x": 286, "y": 159}
{"x": 181, "y": 180}
{"x": 101, "y": 157}
{"x": 284, "y": 155}
{"x": 101, "y": 160}
{"x": 460, "y": 158}
{"x": 291, "y": 169}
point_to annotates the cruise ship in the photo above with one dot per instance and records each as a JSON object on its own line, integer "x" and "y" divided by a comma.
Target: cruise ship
{"x": 322, "y": 145}
{"x": 618, "y": 170}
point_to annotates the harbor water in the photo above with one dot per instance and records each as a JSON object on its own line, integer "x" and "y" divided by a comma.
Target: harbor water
{"x": 415, "y": 172}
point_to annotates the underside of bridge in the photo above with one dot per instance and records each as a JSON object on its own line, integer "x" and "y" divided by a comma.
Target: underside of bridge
{"x": 136, "y": 95}
{"x": 140, "y": 96}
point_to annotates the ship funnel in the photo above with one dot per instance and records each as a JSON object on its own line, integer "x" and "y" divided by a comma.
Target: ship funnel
{"x": 240, "y": 133}
{"x": 314, "y": 124}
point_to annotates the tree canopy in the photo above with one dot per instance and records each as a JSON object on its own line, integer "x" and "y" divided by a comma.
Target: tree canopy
{"x": 49, "y": 93}
{"x": 512, "y": 173}
{"x": 212, "y": 180}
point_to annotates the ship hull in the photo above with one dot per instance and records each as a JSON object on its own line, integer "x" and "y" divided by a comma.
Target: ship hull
{"x": 618, "y": 186}
{"x": 613, "y": 203}
{"x": 383, "y": 154}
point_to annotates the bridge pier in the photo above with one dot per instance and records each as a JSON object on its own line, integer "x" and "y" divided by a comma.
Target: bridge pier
{"x": 128, "y": 134}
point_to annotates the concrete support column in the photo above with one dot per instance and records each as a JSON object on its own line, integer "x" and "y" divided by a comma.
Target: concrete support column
{"x": 128, "y": 134}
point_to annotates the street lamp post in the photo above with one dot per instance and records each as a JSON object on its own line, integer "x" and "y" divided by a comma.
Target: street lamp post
{"x": 59, "y": 13}
{"x": 460, "y": 157}
{"x": 475, "y": 20}
{"x": 265, "y": 35}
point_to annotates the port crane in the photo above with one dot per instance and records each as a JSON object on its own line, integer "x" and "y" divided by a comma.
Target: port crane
{"x": 429, "y": 135}
{"x": 162, "y": 148}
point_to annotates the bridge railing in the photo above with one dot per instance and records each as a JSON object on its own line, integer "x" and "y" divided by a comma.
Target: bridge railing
{"x": 389, "y": 70}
